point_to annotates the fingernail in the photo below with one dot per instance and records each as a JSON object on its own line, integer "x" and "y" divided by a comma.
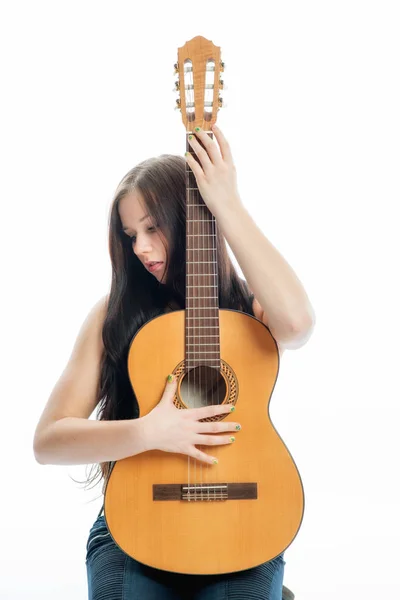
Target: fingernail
{"x": 238, "y": 428}
{"x": 197, "y": 128}
{"x": 190, "y": 137}
{"x": 232, "y": 408}
{"x": 171, "y": 378}
{"x": 215, "y": 461}
{"x": 232, "y": 439}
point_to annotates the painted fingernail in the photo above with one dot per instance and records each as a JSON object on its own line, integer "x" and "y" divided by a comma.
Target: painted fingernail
{"x": 197, "y": 128}
{"x": 232, "y": 408}
{"x": 238, "y": 428}
{"x": 215, "y": 461}
{"x": 232, "y": 439}
{"x": 171, "y": 378}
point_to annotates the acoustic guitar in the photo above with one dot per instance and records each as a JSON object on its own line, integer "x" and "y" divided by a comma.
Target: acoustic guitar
{"x": 168, "y": 510}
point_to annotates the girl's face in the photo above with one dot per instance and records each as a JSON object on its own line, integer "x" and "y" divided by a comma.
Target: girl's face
{"x": 146, "y": 237}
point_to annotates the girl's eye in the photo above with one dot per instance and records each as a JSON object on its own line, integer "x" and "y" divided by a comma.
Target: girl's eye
{"x": 133, "y": 237}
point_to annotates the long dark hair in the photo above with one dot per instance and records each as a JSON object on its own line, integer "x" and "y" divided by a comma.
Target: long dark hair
{"x": 136, "y": 296}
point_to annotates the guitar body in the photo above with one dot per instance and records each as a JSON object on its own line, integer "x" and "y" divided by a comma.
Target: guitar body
{"x": 146, "y": 510}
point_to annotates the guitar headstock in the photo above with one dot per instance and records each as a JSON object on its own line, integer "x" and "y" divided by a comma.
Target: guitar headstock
{"x": 198, "y": 68}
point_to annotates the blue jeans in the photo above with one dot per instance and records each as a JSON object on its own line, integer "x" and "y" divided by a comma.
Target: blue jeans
{"x": 113, "y": 575}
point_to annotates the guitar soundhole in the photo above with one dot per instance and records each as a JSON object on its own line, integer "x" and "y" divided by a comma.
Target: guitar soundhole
{"x": 202, "y": 386}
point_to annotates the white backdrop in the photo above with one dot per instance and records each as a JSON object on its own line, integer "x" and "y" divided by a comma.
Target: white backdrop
{"x": 313, "y": 123}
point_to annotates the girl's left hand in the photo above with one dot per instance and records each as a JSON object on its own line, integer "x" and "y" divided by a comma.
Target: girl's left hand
{"x": 216, "y": 173}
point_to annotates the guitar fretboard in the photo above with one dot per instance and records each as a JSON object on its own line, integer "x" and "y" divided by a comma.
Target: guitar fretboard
{"x": 202, "y": 342}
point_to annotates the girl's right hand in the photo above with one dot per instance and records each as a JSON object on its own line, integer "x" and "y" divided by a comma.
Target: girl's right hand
{"x": 178, "y": 430}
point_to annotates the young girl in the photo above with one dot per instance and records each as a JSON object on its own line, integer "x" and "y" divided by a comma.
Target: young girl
{"x": 148, "y": 225}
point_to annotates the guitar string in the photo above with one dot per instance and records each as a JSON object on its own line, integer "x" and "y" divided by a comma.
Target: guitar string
{"x": 187, "y": 271}
{"x": 214, "y": 286}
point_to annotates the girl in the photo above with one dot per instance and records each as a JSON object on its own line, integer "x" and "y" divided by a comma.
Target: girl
{"x": 148, "y": 226}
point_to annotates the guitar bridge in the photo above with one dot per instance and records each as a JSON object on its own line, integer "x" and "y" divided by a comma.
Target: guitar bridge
{"x": 206, "y": 492}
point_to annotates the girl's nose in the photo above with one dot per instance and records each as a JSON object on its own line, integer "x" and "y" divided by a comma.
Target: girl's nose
{"x": 143, "y": 248}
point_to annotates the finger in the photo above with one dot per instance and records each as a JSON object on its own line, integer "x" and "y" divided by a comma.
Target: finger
{"x": 209, "y": 144}
{"x": 170, "y": 388}
{"x": 201, "y": 153}
{"x": 217, "y": 426}
{"x": 202, "y": 456}
{"x": 209, "y": 411}
{"x": 223, "y": 144}
{"x": 214, "y": 440}
{"x": 194, "y": 165}
{"x": 172, "y": 381}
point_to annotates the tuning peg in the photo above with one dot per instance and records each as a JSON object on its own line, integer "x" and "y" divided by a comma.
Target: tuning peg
{"x": 177, "y": 86}
{"x": 176, "y": 68}
{"x": 222, "y": 103}
{"x": 178, "y": 104}
{"x": 222, "y": 85}
{"x": 221, "y": 66}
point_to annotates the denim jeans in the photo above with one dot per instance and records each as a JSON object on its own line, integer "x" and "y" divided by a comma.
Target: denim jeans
{"x": 113, "y": 575}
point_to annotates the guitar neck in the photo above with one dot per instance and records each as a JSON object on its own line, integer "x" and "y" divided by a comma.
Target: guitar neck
{"x": 202, "y": 307}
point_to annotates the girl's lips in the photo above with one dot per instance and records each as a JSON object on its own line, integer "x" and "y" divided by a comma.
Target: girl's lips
{"x": 154, "y": 267}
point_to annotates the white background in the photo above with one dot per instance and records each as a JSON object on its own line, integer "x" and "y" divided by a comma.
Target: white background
{"x": 313, "y": 123}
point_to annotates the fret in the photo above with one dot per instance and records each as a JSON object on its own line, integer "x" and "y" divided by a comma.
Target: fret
{"x": 201, "y": 234}
{"x": 198, "y": 220}
{"x": 195, "y": 360}
{"x": 201, "y": 262}
{"x": 199, "y": 286}
{"x": 209, "y": 307}
{"x": 193, "y": 364}
{"x": 203, "y": 328}
{"x": 189, "y": 317}
{"x": 202, "y": 352}
{"x": 207, "y": 336}
{"x": 201, "y": 344}
{"x": 195, "y": 249}
{"x": 203, "y": 298}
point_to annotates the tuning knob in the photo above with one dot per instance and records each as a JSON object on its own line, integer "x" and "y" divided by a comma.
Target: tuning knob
{"x": 178, "y": 104}
{"x": 221, "y": 66}
{"x": 221, "y": 103}
{"x": 177, "y": 87}
{"x": 222, "y": 85}
{"x": 176, "y": 68}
